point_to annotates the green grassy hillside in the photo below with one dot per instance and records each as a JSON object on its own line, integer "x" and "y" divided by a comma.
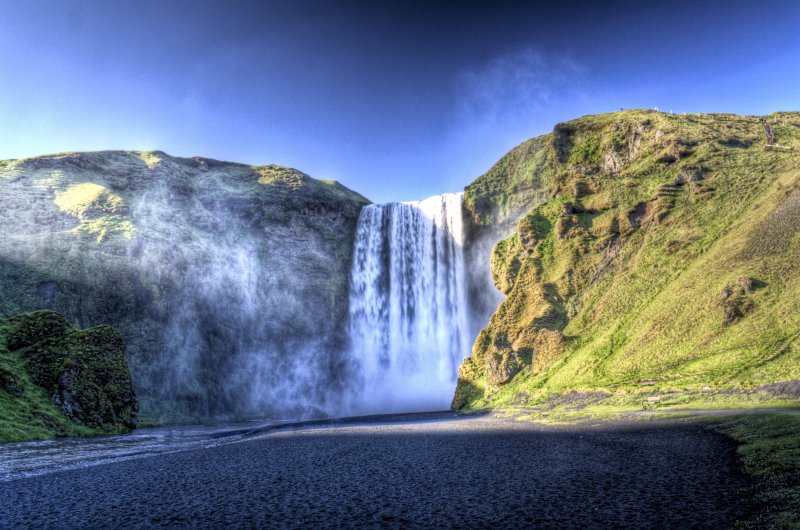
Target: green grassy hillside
{"x": 662, "y": 270}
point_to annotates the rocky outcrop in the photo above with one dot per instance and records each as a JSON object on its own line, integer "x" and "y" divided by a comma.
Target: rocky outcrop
{"x": 83, "y": 373}
{"x": 228, "y": 282}
{"x": 493, "y": 204}
{"x": 736, "y": 300}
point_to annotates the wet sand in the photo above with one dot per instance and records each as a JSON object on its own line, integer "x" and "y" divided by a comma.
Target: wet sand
{"x": 449, "y": 472}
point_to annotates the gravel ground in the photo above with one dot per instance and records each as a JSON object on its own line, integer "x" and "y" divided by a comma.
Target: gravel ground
{"x": 475, "y": 472}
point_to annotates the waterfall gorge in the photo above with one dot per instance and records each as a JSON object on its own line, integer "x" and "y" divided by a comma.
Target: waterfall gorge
{"x": 408, "y": 307}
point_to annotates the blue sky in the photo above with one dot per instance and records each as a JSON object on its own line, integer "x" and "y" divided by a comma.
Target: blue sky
{"x": 397, "y": 100}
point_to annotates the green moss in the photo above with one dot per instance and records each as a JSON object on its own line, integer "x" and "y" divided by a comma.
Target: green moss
{"x": 513, "y": 185}
{"x": 587, "y": 151}
{"x": 58, "y": 381}
{"x": 505, "y": 263}
{"x": 32, "y": 328}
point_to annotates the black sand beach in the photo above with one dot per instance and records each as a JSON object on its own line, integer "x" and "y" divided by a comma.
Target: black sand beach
{"x": 459, "y": 472}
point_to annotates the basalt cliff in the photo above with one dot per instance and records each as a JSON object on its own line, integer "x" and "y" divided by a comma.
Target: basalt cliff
{"x": 228, "y": 282}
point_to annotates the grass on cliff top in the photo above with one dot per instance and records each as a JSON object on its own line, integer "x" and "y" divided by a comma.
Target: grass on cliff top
{"x": 289, "y": 179}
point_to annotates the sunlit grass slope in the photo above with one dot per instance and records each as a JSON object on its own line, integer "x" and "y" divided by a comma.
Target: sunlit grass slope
{"x": 665, "y": 264}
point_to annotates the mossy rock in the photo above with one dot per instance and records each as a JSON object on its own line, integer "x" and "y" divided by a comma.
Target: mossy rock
{"x": 94, "y": 385}
{"x": 502, "y": 364}
{"x": 84, "y": 372}
{"x": 34, "y": 327}
{"x": 11, "y": 383}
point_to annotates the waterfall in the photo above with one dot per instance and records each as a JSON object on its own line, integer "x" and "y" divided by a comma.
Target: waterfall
{"x": 408, "y": 308}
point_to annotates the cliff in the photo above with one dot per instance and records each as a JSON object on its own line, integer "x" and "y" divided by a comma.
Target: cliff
{"x": 227, "y": 281}
{"x": 493, "y": 204}
{"x": 653, "y": 255}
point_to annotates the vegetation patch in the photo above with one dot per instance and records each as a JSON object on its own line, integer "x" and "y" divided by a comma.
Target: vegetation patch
{"x": 87, "y": 199}
{"x": 56, "y": 380}
{"x": 769, "y": 446}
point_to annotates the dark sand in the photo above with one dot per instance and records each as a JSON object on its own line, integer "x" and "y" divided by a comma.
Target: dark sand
{"x": 477, "y": 472}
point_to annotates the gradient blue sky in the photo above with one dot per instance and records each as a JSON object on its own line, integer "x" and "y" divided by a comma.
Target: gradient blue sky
{"x": 397, "y": 100}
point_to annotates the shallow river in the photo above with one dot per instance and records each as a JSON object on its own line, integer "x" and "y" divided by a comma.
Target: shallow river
{"x": 27, "y": 459}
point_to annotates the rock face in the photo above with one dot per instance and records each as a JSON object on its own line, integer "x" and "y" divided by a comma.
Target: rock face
{"x": 493, "y": 204}
{"x": 83, "y": 372}
{"x": 228, "y": 282}
{"x": 640, "y": 246}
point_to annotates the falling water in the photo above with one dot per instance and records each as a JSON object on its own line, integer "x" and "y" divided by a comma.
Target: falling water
{"x": 408, "y": 311}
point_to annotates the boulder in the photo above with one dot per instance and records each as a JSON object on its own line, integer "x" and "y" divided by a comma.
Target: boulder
{"x": 84, "y": 371}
